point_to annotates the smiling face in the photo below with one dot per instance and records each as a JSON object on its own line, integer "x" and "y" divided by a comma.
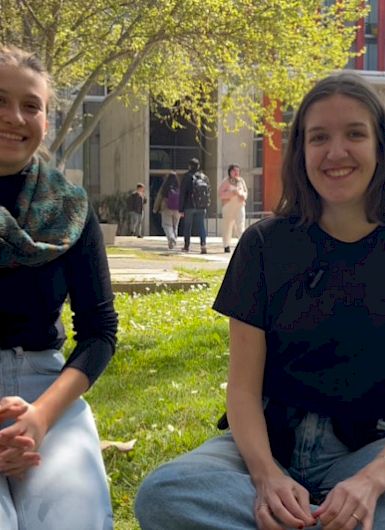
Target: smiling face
{"x": 340, "y": 150}
{"x": 23, "y": 116}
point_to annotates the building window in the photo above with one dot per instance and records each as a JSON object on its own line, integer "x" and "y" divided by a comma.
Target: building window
{"x": 287, "y": 118}
{"x": 256, "y": 196}
{"x": 371, "y": 37}
{"x": 257, "y": 150}
{"x": 172, "y": 148}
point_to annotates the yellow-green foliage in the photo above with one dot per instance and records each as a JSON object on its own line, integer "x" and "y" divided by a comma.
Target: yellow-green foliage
{"x": 180, "y": 50}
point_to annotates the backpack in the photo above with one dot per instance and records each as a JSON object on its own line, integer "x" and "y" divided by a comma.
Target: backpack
{"x": 200, "y": 191}
{"x": 173, "y": 199}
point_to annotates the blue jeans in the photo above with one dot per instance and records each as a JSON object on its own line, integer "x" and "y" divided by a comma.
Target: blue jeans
{"x": 69, "y": 488}
{"x": 189, "y": 215}
{"x": 211, "y": 489}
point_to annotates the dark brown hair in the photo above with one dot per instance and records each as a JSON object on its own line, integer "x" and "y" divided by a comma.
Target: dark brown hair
{"x": 231, "y": 167}
{"x": 170, "y": 182}
{"x": 299, "y": 198}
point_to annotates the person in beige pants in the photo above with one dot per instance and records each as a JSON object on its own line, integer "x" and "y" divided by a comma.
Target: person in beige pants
{"x": 233, "y": 195}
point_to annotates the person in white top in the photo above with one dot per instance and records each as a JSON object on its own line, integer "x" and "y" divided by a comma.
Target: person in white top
{"x": 233, "y": 195}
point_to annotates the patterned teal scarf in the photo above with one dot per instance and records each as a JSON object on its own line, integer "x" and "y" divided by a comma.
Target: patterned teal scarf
{"x": 51, "y": 214}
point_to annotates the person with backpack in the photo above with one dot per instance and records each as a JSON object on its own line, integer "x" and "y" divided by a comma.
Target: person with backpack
{"x": 167, "y": 204}
{"x": 194, "y": 199}
{"x": 233, "y": 194}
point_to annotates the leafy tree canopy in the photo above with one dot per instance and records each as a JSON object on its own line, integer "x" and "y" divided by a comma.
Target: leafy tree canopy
{"x": 180, "y": 51}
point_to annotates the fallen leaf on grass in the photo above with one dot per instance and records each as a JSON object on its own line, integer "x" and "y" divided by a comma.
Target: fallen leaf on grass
{"x": 124, "y": 447}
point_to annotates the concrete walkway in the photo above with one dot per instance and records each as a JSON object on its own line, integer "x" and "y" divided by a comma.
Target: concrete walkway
{"x": 139, "y": 263}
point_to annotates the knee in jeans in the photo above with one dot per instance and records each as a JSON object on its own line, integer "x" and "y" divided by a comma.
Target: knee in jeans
{"x": 154, "y": 499}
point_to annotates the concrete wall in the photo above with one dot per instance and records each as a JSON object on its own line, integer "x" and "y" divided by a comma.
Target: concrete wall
{"x": 236, "y": 148}
{"x": 124, "y": 148}
{"x": 209, "y": 166}
{"x": 124, "y": 151}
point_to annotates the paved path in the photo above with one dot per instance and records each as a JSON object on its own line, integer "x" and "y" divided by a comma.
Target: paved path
{"x": 157, "y": 263}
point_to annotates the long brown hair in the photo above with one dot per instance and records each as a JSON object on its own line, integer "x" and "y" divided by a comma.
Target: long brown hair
{"x": 299, "y": 198}
{"x": 171, "y": 181}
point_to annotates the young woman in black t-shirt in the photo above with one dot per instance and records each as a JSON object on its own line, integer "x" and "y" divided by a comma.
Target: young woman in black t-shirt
{"x": 305, "y": 294}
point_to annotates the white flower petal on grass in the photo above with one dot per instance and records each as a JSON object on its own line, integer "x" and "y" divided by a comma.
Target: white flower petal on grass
{"x": 223, "y": 386}
{"x": 170, "y": 427}
{"x": 194, "y": 391}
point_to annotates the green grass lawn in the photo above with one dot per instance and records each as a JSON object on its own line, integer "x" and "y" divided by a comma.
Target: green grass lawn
{"x": 165, "y": 386}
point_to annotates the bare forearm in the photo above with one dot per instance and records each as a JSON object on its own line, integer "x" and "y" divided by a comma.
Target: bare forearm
{"x": 248, "y": 427}
{"x": 375, "y": 472}
{"x": 69, "y": 386}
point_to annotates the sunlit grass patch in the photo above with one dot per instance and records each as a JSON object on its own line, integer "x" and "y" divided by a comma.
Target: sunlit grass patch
{"x": 165, "y": 386}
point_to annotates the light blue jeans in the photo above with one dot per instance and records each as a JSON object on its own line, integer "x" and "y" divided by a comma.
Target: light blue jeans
{"x": 69, "y": 488}
{"x": 210, "y": 487}
{"x": 170, "y": 222}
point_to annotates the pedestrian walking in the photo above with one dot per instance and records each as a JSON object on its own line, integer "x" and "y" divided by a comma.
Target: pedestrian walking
{"x": 193, "y": 202}
{"x": 137, "y": 201}
{"x": 233, "y": 195}
{"x": 167, "y": 204}
{"x": 51, "y": 468}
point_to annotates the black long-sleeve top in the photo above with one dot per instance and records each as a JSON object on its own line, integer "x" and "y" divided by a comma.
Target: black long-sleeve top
{"x": 31, "y": 298}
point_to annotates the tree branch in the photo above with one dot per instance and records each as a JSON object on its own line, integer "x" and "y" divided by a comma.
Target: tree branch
{"x": 32, "y": 13}
{"x": 106, "y": 103}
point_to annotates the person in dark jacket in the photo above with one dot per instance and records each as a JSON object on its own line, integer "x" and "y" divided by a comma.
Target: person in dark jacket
{"x": 51, "y": 469}
{"x": 137, "y": 201}
{"x": 305, "y": 297}
{"x": 192, "y": 205}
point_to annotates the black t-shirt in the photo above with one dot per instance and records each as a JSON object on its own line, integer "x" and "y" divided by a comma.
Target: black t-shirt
{"x": 321, "y": 303}
{"x": 31, "y": 298}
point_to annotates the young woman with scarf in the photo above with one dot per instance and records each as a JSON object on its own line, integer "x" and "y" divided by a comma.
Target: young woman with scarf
{"x": 305, "y": 296}
{"x": 51, "y": 469}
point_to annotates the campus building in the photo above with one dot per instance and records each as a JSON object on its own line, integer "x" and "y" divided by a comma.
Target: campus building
{"x": 131, "y": 146}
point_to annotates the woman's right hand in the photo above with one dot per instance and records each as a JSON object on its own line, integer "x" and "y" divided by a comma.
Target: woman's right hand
{"x": 18, "y": 454}
{"x": 282, "y": 502}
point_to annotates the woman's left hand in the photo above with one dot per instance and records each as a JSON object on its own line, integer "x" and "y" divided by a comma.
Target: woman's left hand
{"x": 29, "y": 423}
{"x": 350, "y": 504}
